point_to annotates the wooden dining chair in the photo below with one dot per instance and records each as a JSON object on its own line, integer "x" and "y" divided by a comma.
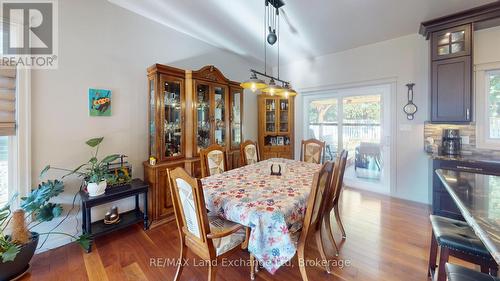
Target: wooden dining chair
{"x": 332, "y": 202}
{"x": 249, "y": 153}
{"x": 314, "y": 216}
{"x": 213, "y": 160}
{"x": 312, "y": 151}
{"x": 209, "y": 237}
{"x": 312, "y": 220}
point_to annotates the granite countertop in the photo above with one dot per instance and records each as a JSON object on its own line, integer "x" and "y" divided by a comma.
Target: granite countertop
{"x": 478, "y": 198}
{"x": 485, "y": 158}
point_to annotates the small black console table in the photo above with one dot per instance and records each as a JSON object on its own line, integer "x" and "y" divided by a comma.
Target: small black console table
{"x": 134, "y": 188}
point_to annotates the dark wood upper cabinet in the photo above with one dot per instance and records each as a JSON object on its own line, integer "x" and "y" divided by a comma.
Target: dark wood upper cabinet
{"x": 451, "y": 75}
{"x": 451, "y": 90}
{"x": 452, "y": 43}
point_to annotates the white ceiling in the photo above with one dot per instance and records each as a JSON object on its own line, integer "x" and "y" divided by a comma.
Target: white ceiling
{"x": 322, "y": 26}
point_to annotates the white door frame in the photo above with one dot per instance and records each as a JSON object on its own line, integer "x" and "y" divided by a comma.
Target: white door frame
{"x": 332, "y": 91}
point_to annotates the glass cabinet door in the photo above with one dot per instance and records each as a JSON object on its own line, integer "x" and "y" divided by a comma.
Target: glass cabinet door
{"x": 452, "y": 42}
{"x": 219, "y": 118}
{"x": 270, "y": 115}
{"x": 236, "y": 98}
{"x": 172, "y": 117}
{"x": 152, "y": 118}
{"x": 202, "y": 116}
{"x": 283, "y": 109}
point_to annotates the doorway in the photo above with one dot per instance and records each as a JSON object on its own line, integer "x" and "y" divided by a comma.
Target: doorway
{"x": 357, "y": 120}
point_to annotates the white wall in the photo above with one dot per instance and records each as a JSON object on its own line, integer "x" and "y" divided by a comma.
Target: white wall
{"x": 400, "y": 60}
{"x": 104, "y": 46}
{"x": 486, "y": 44}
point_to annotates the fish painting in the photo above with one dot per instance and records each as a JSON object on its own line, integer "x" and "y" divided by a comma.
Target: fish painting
{"x": 99, "y": 102}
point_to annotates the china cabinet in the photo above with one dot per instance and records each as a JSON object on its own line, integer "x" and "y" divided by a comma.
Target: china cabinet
{"x": 276, "y": 127}
{"x": 188, "y": 111}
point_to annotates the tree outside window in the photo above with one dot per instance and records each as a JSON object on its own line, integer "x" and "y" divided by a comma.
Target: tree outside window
{"x": 494, "y": 105}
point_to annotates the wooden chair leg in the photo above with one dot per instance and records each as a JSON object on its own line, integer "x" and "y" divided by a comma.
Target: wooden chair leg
{"x": 302, "y": 261}
{"x": 443, "y": 259}
{"x": 339, "y": 221}
{"x": 329, "y": 230}
{"x": 180, "y": 266}
{"x": 321, "y": 250}
{"x": 433, "y": 254}
{"x": 212, "y": 272}
{"x": 244, "y": 245}
{"x": 485, "y": 267}
{"x": 252, "y": 267}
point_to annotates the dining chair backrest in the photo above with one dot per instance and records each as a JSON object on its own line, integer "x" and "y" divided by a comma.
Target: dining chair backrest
{"x": 339, "y": 177}
{"x": 316, "y": 201}
{"x": 312, "y": 151}
{"x": 213, "y": 160}
{"x": 190, "y": 212}
{"x": 249, "y": 152}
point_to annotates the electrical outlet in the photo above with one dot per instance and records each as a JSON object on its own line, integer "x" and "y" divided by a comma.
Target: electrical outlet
{"x": 465, "y": 139}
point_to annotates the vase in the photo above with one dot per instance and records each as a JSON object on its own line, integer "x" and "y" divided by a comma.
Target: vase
{"x": 96, "y": 189}
{"x": 20, "y": 265}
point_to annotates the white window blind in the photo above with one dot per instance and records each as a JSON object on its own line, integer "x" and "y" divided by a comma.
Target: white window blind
{"x": 7, "y": 102}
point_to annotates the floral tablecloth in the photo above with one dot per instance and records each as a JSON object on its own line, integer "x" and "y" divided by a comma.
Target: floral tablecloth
{"x": 272, "y": 206}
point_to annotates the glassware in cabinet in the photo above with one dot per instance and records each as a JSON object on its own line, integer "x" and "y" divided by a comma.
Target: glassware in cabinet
{"x": 236, "y": 118}
{"x": 152, "y": 117}
{"x": 202, "y": 100}
{"x": 270, "y": 115}
{"x": 172, "y": 99}
{"x": 284, "y": 115}
{"x": 220, "y": 115}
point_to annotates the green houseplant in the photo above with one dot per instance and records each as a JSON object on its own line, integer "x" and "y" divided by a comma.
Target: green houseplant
{"x": 94, "y": 172}
{"x": 18, "y": 247}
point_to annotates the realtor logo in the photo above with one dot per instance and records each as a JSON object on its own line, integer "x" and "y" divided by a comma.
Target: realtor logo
{"x": 29, "y": 33}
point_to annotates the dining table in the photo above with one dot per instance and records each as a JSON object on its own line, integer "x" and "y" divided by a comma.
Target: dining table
{"x": 272, "y": 206}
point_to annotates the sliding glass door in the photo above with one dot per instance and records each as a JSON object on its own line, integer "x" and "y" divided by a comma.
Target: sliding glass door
{"x": 356, "y": 120}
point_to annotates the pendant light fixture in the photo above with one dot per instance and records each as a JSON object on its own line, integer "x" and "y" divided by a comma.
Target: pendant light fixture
{"x": 288, "y": 91}
{"x": 273, "y": 89}
{"x": 271, "y": 37}
{"x": 254, "y": 83}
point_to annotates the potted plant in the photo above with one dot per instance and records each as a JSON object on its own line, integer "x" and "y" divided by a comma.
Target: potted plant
{"x": 18, "y": 247}
{"x": 94, "y": 172}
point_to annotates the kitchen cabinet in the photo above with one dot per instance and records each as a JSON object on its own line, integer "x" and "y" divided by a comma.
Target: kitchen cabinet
{"x": 451, "y": 75}
{"x": 442, "y": 203}
{"x": 452, "y": 42}
{"x": 451, "y": 94}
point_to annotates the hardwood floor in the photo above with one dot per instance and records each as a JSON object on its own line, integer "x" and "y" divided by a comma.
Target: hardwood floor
{"x": 387, "y": 239}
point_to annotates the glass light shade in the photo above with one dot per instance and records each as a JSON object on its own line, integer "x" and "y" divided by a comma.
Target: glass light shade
{"x": 254, "y": 83}
{"x": 273, "y": 89}
{"x": 288, "y": 92}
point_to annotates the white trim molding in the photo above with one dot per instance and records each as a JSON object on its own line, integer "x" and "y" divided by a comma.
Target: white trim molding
{"x": 482, "y": 123}
{"x": 23, "y": 136}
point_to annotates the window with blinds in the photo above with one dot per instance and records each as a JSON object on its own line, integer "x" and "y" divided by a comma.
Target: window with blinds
{"x": 7, "y": 102}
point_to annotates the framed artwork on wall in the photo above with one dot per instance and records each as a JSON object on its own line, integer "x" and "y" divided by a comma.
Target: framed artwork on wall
{"x": 99, "y": 102}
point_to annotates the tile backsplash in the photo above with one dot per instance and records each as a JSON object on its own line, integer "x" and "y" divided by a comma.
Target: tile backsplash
{"x": 433, "y": 137}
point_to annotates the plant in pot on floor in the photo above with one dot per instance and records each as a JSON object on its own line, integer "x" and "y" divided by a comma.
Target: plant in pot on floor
{"x": 95, "y": 173}
{"x": 18, "y": 241}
